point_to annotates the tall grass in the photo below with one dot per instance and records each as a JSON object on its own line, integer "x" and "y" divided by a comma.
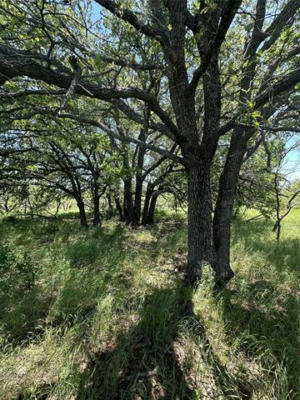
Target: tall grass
{"x": 109, "y": 318}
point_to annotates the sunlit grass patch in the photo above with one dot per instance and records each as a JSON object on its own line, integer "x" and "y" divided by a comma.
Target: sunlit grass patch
{"x": 109, "y": 317}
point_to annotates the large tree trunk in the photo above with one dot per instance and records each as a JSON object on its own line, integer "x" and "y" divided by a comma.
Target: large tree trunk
{"x": 82, "y": 213}
{"x": 229, "y": 178}
{"x": 224, "y": 210}
{"x": 199, "y": 223}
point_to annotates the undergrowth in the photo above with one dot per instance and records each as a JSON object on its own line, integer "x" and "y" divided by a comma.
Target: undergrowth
{"x": 103, "y": 314}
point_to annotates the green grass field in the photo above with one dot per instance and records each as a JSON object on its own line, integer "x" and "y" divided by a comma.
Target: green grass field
{"x": 105, "y": 314}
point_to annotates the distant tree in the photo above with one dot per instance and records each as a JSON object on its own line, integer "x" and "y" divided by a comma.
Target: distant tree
{"x": 64, "y": 158}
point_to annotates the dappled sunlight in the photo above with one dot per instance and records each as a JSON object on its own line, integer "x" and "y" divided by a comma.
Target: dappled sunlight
{"x": 111, "y": 317}
{"x": 149, "y": 220}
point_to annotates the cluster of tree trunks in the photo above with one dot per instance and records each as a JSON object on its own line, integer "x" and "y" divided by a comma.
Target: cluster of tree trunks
{"x": 134, "y": 211}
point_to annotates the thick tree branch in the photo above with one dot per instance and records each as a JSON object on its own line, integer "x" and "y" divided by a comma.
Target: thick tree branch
{"x": 34, "y": 92}
{"x": 132, "y": 65}
{"x": 12, "y": 65}
{"x": 280, "y": 22}
{"x": 286, "y": 83}
{"x": 228, "y": 13}
{"x": 129, "y": 16}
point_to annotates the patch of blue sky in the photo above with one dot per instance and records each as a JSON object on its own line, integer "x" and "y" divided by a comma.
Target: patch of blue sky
{"x": 291, "y": 165}
{"x": 96, "y": 11}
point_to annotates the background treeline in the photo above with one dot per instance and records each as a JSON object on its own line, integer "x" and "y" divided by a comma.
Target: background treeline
{"x": 50, "y": 166}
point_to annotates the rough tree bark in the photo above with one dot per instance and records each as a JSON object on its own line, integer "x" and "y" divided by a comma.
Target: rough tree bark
{"x": 199, "y": 223}
{"x": 224, "y": 209}
{"x": 238, "y": 146}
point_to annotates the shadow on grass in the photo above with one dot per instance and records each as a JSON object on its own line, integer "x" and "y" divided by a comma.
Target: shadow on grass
{"x": 95, "y": 265}
{"x": 144, "y": 363}
{"x": 28, "y": 232}
{"x": 284, "y": 256}
{"x": 22, "y": 315}
{"x": 98, "y": 246}
{"x": 92, "y": 261}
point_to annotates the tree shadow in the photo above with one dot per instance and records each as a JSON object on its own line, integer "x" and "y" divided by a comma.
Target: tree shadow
{"x": 96, "y": 264}
{"x": 22, "y": 313}
{"x": 92, "y": 262}
{"x": 97, "y": 245}
{"x": 142, "y": 364}
{"x": 145, "y": 364}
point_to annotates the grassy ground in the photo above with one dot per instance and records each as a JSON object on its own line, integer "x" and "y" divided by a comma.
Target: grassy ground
{"x": 106, "y": 315}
